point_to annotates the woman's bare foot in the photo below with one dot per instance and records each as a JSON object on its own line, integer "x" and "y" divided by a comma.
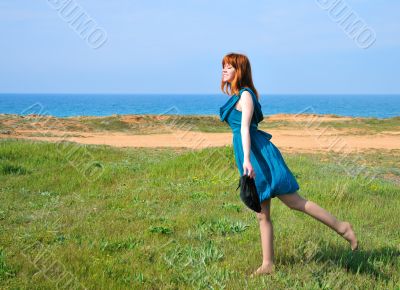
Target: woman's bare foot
{"x": 264, "y": 269}
{"x": 347, "y": 232}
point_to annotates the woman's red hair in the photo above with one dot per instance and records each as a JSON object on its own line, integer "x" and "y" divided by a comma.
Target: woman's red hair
{"x": 243, "y": 77}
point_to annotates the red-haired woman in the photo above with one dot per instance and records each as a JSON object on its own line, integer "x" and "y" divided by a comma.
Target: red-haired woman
{"x": 258, "y": 157}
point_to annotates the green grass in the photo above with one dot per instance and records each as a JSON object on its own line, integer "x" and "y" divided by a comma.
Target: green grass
{"x": 171, "y": 219}
{"x": 109, "y": 123}
{"x": 151, "y": 124}
{"x": 359, "y": 126}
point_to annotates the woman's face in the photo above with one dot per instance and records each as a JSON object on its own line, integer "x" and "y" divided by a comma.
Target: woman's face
{"x": 228, "y": 73}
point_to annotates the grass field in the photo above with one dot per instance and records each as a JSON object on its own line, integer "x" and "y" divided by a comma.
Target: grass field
{"x": 167, "y": 219}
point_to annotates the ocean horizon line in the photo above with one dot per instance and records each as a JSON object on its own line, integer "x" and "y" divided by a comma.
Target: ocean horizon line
{"x": 61, "y": 105}
{"x": 166, "y": 94}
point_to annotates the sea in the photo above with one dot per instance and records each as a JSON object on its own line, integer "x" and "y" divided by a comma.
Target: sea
{"x": 65, "y": 105}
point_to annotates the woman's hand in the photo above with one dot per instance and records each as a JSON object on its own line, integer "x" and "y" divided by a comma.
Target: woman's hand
{"x": 247, "y": 167}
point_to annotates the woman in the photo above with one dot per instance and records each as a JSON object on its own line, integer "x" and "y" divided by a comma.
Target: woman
{"x": 257, "y": 156}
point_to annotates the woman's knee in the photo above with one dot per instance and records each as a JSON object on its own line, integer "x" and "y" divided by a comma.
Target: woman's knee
{"x": 293, "y": 201}
{"x": 264, "y": 215}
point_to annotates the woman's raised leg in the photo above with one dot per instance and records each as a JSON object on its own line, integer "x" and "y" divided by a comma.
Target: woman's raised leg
{"x": 344, "y": 228}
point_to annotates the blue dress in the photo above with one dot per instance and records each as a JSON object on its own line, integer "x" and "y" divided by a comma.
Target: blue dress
{"x": 272, "y": 175}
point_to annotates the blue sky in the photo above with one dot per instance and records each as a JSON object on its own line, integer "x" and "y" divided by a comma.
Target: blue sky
{"x": 175, "y": 46}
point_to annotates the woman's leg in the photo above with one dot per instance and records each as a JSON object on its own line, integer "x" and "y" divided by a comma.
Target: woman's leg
{"x": 296, "y": 202}
{"x": 267, "y": 239}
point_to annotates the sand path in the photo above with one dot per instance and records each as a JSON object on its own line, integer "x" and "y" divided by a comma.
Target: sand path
{"x": 302, "y": 140}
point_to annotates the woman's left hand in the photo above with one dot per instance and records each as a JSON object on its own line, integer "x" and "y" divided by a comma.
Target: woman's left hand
{"x": 247, "y": 167}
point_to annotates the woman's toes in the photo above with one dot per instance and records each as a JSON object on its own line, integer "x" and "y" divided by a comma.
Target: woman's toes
{"x": 264, "y": 269}
{"x": 347, "y": 232}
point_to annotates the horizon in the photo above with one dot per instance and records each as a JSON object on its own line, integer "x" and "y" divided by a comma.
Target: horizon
{"x": 198, "y": 94}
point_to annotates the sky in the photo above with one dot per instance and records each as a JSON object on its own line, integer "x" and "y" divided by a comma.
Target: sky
{"x": 295, "y": 47}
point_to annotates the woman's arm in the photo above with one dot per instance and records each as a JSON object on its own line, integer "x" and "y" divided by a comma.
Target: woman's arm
{"x": 247, "y": 113}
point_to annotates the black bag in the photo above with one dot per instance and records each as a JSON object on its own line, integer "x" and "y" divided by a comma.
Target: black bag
{"x": 248, "y": 193}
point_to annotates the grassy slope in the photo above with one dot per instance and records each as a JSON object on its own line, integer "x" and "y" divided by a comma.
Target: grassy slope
{"x": 150, "y": 124}
{"x": 166, "y": 219}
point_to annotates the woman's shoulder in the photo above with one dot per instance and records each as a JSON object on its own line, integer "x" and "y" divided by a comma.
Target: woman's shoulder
{"x": 249, "y": 91}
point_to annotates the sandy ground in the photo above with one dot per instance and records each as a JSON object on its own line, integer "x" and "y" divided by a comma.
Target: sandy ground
{"x": 302, "y": 140}
{"x": 291, "y": 138}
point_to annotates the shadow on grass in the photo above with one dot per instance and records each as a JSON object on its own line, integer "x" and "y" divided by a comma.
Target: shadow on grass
{"x": 362, "y": 261}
